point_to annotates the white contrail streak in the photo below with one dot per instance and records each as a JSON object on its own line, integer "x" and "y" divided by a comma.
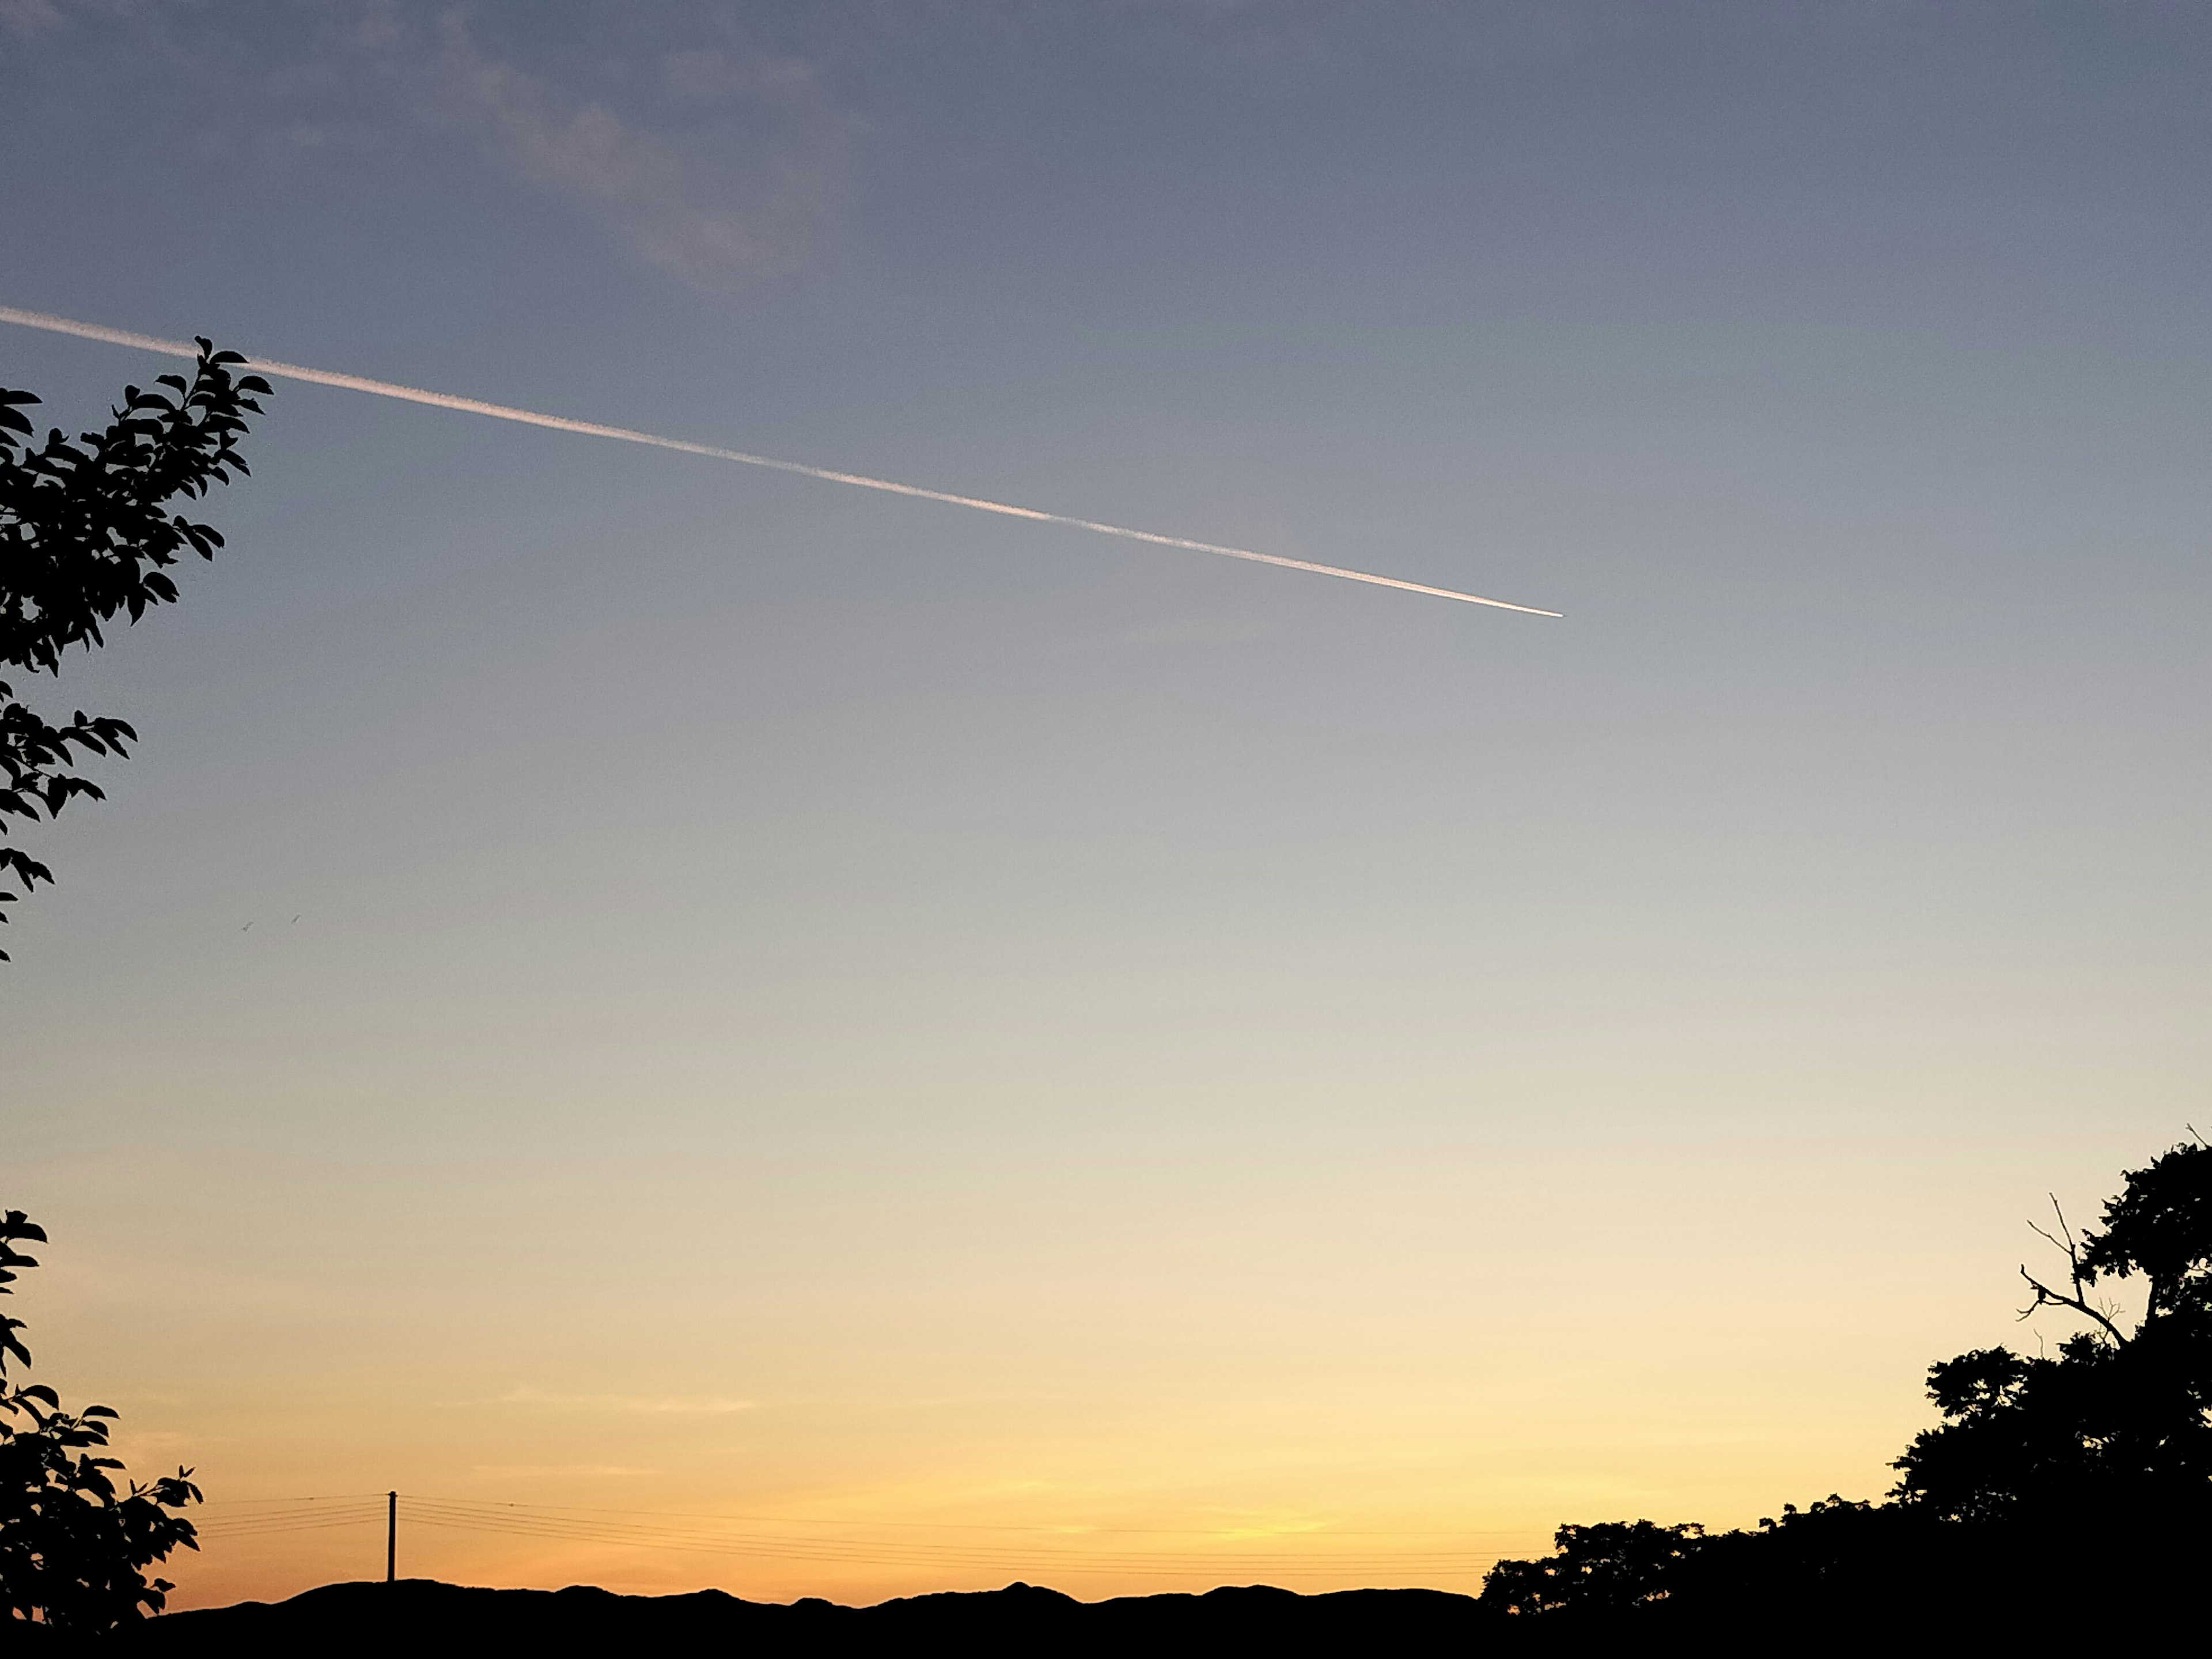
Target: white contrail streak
{"x": 123, "y": 336}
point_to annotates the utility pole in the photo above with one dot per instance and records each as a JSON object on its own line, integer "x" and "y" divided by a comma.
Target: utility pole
{"x": 391, "y": 1537}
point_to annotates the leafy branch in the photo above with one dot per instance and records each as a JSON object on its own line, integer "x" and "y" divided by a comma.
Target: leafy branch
{"x": 72, "y": 1541}
{"x": 86, "y": 536}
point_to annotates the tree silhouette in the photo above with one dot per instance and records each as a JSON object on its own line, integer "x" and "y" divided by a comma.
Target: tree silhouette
{"x": 85, "y": 536}
{"x": 2094, "y": 1466}
{"x": 73, "y": 1546}
{"x": 2117, "y": 1421}
{"x": 1610, "y": 1566}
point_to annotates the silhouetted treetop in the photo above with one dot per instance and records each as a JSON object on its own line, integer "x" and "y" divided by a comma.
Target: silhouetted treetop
{"x": 2161, "y": 1227}
{"x": 73, "y": 1544}
{"x": 2092, "y": 1465}
{"x": 1610, "y": 1566}
{"x": 84, "y": 524}
{"x": 2118, "y": 1419}
{"x": 86, "y": 536}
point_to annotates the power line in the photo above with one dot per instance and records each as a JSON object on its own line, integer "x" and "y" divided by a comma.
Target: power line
{"x": 1276, "y": 1555}
{"x": 947, "y": 1525}
{"x": 863, "y": 1551}
{"x": 987, "y": 1526}
{"x": 283, "y": 1524}
{"x": 863, "y": 1555}
{"x": 551, "y": 1514}
{"x": 504, "y": 1519}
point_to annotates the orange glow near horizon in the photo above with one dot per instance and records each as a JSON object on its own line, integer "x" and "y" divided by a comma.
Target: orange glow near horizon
{"x": 714, "y": 1021}
{"x": 1206, "y": 1444}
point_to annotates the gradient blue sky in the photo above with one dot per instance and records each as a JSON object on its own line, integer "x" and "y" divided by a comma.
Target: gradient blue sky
{"x": 1070, "y": 1031}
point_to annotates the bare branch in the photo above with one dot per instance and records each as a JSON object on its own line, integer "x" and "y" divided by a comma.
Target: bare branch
{"x": 2047, "y": 1297}
{"x": 2052, "y": 1239}
{"x": 2064, "y": 1239}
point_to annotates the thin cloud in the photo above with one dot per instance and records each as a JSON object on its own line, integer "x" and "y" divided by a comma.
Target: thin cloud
{"x": 739, "y": 190}
{"x": 28, "y": 16}
{"x": 673, "y": 1405}
{"x": 714, "y": 160}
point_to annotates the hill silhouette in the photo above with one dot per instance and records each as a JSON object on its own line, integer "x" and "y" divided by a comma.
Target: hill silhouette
{"x": 1917, "y": 1609}
{"x": 1021, "y": 1618}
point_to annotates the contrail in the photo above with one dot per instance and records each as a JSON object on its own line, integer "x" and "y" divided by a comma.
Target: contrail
{"x": 123, "y": 336}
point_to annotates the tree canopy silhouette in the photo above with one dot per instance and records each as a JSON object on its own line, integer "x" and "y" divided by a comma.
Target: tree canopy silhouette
{"x": 2092, "y": 1465}
{"x": 73, "y": 1546}
{"x": 86, "y": 536}
{"x": 2117, "y": 1421}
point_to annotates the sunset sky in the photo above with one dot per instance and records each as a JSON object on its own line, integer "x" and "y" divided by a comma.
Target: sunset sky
{"x": 938, "y": 1049}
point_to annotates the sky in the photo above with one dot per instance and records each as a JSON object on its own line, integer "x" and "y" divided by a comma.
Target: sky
{"x": 938, "y": 1049}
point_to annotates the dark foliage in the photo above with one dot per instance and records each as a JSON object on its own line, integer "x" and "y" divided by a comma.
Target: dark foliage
{"x": 2093, "y": 1466}
{"x": 86, "y": 536}
{"x": 1610, "y": 1567}
{"x": 2117, "y": 1422}
{"x": 73, "y": 1546}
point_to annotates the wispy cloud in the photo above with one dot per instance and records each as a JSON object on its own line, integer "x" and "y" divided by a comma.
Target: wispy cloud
{"x": 676, "y": 1405}
{"x": 714, "y": 159}
{"x": 1201, "y": 633}
{"x": 737, "y": 186}
{"x": 27, "y": 16}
